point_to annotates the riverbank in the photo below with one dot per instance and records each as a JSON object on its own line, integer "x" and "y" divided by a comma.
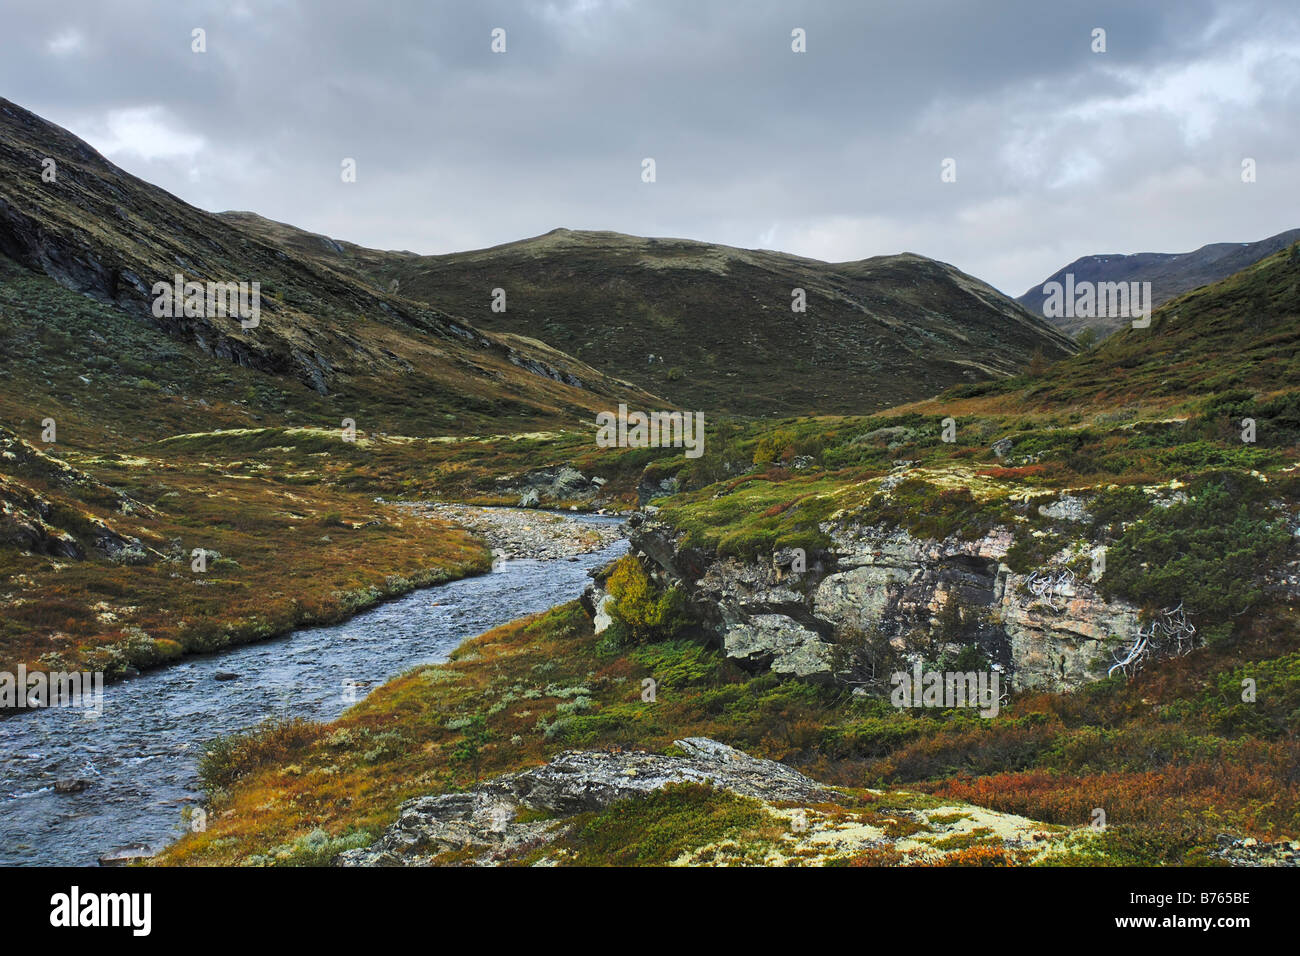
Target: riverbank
{"x": 425, "y": 751}
{"x": 134, "y": 770}
{"x": 450, "y": 540}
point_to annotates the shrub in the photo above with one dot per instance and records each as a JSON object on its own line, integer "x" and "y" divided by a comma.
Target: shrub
{"x": 1207, "y": 553}
{"x": 227, "y": 759}
{"x": 469, "y": 749}
{"x": 642, "y": 614}
{"x": 774, "y": 446}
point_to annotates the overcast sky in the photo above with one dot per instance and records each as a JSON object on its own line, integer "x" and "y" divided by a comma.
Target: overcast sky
{"x": 834, "y": 153}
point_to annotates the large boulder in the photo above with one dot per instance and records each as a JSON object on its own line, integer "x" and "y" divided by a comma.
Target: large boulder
{"x": 560, "y": 483}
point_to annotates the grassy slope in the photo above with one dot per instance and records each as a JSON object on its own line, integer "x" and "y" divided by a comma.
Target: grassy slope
{"x": 718, "y": 319}
{"x": 1147, "y": 407}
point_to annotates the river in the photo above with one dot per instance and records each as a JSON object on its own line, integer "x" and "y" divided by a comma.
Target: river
{"x": 140, "y": 756}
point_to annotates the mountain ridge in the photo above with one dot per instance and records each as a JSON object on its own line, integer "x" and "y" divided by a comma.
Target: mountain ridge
{"x": 1170, "y": 274}
{"x": 100, "y": 231}
{"x": 875, "y": 331}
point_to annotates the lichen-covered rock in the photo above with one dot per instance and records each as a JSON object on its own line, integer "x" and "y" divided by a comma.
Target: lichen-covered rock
{"x": 573, "y": 782}
{"x": 528, "y": 816}
{"x": 1247, "y": 851}
{"x": 1054, "y": 636}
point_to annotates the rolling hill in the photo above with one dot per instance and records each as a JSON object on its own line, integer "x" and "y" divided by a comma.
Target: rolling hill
{"x": 712, "y": 327}
{"x": 391, "y": 363}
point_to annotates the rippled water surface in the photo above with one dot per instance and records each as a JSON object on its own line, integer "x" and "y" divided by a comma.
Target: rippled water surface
{"x": 140, "y": 756}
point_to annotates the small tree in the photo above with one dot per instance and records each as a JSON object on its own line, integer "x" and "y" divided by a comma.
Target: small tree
{"x": 865, "y": 657}
{"x": 640, "y": 612}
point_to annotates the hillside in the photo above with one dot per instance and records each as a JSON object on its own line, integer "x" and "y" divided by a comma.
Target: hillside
{"x": 1170, "y": 275}
{"x": 718, "y": 320}
{"x": 99, "y": 231}
{"x": 1239, "y": 333}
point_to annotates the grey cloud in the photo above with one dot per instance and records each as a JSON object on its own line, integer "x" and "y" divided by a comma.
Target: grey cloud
{"x": 833, "y": 153}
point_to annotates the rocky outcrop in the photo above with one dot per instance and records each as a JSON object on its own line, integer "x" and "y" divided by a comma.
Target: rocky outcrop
{"x": 1049, "y": 632}
{"x": 52, "y": 522}
{"x": 487, "y": 817}
{"x": 651, "y": 488}
{"x": 526, "y": 816}
{"x": 780, "y": 644}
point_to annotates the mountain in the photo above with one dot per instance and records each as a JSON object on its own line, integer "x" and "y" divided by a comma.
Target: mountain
{"x": 131, "y": 442}
{"x": 70, "y": 215}
{"x": 1170, "y": 274}
{"x": 1240, "y": 333}
{"x": 718, "y": 320}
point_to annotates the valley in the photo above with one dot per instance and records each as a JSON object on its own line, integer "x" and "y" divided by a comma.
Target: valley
{"x": 451, "y": 511}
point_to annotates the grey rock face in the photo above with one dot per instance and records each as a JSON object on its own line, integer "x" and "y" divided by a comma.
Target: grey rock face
{"x": 1066, "y": 508}
{"x": 648, "y": 490}
{"x": 486, "y": 819}
{"x": 764, "y": 614}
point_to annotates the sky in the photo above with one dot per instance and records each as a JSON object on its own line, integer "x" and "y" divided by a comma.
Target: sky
{"x": 838, "y": 152}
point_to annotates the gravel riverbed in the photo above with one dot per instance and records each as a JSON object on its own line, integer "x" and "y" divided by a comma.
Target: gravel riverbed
{"x": 526, "y": 533}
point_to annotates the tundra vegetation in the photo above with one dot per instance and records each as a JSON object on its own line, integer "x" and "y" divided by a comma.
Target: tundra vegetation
{"x": 1144, "y": 430}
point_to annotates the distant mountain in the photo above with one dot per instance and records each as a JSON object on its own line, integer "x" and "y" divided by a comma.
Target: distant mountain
{"x": 69, "y": 214}
{"x": 1239, "y": 335}
{"x": 718, "y": 320}
{"x": 1170, "y": 274}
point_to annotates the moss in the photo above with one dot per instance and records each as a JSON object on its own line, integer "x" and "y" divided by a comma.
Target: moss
{"x": 661, "y": 827}
{"x": 929, "y": 511}
{"x": 676, "y": 664}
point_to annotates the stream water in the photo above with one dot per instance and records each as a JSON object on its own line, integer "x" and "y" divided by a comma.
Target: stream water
{"x": 140, "y": 756}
